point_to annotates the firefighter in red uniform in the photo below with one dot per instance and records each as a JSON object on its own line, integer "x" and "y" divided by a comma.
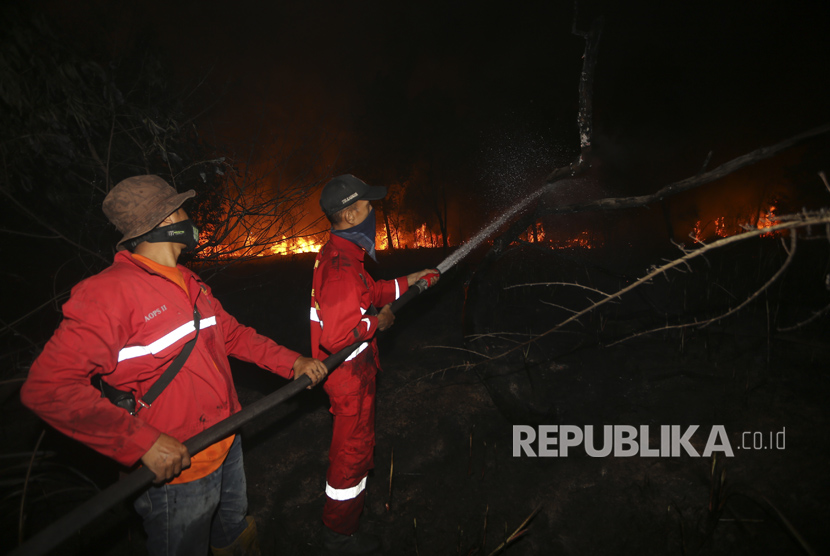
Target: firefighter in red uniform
{"x": 343, "y": 302}
{"x": 127, "y": 324}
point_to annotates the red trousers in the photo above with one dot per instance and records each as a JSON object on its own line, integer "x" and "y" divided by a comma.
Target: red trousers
{"x": 352, "y": 445}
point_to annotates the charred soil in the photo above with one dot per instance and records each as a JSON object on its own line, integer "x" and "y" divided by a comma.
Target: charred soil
{"x": 446, "y": 478}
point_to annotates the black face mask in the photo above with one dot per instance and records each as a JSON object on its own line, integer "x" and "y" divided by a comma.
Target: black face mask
{"x": 362, "y": 235}
{"x": 181, "y": 232}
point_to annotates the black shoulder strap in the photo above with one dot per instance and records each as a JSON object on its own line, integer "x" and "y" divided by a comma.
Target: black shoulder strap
{"x": 165, "y": 379}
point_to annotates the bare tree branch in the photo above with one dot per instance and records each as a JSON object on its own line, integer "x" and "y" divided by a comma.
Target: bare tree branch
{"x": 46, "y": 225}
{"x": 733, "y": 310}
{"x": 790, "y": 222}
{"x": 260, "y": 212}
{"x": 824, "y": 179}
{"x": 691, "y": 182}
{"x": 9, "y": 327}
{"x": 107, "y": 179}
{"x": 569, "y": 284}
{"x": 520, "y": 531}
{"x": 803, "y": 323}
{"x": 26, "y": 234}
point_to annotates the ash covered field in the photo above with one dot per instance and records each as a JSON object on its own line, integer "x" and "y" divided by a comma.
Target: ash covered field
{"x": 449, "y": 398}
{"x": 445, "y": 416}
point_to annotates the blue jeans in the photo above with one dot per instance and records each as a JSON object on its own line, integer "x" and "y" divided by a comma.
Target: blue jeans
{"x": 184, "y": 519}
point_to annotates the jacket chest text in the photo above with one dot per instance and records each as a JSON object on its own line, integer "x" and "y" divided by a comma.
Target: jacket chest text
{"x": 154, "y": 313}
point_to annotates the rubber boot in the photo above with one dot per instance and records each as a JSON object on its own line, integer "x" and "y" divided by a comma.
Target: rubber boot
{"x": 358, "y": 543}
{"x": 246, "y": 544}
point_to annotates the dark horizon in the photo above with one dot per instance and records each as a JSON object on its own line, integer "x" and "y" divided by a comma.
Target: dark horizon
{"x": 481, "y": 104}
{"x": 489, "y": 92}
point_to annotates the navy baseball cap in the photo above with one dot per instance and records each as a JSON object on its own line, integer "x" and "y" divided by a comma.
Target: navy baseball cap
{"x": 346, "y": 190}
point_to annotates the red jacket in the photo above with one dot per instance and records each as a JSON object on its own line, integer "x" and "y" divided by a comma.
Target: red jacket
{"x": 128, "y": 323}
{"x": 341, "y": 293}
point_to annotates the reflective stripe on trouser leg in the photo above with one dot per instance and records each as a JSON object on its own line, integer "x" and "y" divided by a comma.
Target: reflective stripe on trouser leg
{"x": 341, "y": 494}
{"x": 350, "y": 458}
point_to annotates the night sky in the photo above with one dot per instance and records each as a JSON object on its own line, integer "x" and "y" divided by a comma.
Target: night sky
{"x": 483, "y": 93}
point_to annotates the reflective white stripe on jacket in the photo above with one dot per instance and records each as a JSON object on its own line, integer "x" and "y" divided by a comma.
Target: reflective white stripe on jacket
{"x": 165, "y": 341}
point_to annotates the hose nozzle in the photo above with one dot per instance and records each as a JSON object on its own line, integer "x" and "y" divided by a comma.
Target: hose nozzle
{"x": 427, "y": 281}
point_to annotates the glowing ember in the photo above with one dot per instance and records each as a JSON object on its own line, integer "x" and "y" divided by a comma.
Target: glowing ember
{"x": 697, "y": 233}
{"x": 720, "y": 227}
{"x": 582, "y": 241}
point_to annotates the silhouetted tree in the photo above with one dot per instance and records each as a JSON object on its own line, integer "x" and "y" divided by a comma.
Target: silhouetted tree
{"x": 72, "y": 127}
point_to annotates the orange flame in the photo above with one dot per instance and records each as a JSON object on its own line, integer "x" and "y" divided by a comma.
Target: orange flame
{"x": 719, "y": 227}
{"x": 381, "y": 242}
{"x": 767, "y": 220}
{"x": 583, "y": 240}
{"x": 422, "y": 236}
{"x": 296, "y": 245}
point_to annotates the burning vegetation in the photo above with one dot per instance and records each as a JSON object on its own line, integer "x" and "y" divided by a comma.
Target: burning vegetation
{"x": 585, "y": 239}
{"x": 406, "y": 235}
{"x": 723, "y": 226}
{"x": 421, "y": 237}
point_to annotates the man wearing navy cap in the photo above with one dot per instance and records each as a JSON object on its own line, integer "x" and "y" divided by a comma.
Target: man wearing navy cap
{"x": 343, "y": 302}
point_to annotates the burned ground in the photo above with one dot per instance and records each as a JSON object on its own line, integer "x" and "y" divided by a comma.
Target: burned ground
{"x": 444, "y": 425}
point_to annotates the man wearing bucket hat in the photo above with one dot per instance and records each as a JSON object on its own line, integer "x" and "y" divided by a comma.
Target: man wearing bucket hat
{"x": 343, "y": 301}
{"x": 123, "y": 328}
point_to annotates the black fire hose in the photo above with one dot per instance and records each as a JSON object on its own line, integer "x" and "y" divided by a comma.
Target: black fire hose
{"x": 55, "y": 533}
